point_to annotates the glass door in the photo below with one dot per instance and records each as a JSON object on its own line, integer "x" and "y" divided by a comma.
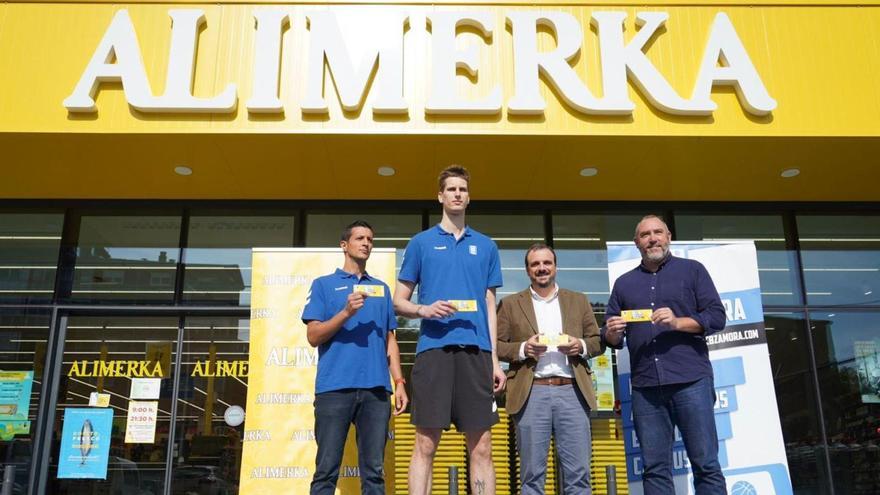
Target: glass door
{"x": 211, "y": 406}
{"x": 112, "y": 422}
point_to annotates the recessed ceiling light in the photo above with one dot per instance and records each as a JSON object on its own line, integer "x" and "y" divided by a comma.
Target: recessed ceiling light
{"x": 183, "y": 170}
{"x": 386, "y": 171}
{"x": 589, "y": 172}
{"x": 790, "y": 172}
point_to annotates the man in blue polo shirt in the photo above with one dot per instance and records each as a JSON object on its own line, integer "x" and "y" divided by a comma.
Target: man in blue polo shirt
{"x": 350, "y": 318}
{"x": 456, "y": 371}
{"x": 671, "y": 377}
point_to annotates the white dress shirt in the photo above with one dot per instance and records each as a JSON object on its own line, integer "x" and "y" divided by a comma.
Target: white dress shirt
{"x": 549, "y": 319}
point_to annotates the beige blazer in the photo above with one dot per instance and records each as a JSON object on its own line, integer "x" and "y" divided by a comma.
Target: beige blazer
{"x": 517, "y": 322}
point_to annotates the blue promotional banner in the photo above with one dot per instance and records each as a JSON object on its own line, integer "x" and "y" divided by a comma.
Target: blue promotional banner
{"x": 85, "y": 443}
{"x": 751, "y": 449}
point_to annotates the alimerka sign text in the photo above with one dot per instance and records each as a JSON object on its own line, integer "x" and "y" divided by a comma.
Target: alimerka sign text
{"x": 380, "y": 69}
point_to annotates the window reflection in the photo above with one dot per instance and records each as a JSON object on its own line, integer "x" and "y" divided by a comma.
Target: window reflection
{"x": 22, "y": 361}
{"x": 218, "y": 255}
{"x": 97, "y": 353}
{"x": 841, "y": 257}
{"x": 29, "y": 246}
{"x": 390, "y": 229}
{"x": 213, "y": 380}
{"x": 846, "y": 347}
{"x": 581, "y": 252}
{"x": 127, "y": 258}
{"x": 776, "y": 264}
{"x": 796, "y": 401}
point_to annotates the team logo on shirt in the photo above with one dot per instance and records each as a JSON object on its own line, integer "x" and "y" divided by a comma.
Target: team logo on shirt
{"x": 439, "y": 248}
{"x": 472, "y": 249}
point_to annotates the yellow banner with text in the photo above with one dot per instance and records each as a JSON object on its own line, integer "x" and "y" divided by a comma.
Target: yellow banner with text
{"x": 279, "y": 449}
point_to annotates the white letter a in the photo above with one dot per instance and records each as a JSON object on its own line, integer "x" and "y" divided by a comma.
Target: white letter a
{"x": 119, "y": 44}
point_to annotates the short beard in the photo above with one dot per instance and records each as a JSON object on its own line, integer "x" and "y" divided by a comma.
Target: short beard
{"x": 653, "y": 258}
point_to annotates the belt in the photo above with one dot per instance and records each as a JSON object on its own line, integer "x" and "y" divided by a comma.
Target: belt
{"x": 553, "y": 381}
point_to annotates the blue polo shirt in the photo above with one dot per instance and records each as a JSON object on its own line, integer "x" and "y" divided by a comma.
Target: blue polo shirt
{"x": 659, "y": 355}
{"x": 355, "y": 357}
{"x": 447, "y": 269}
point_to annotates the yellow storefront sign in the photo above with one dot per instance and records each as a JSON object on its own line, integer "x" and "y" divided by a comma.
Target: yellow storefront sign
{"x": 237, "y": 369}
{"x": 116, "y": 368}
{"x": 314, "y": 97}
{"x": 279, "y": 440}
{"x": 706, "y": 69}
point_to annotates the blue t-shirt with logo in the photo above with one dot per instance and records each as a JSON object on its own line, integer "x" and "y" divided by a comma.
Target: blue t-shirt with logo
{"x": 355, "y": 356}
{"x": 448, "y": 269}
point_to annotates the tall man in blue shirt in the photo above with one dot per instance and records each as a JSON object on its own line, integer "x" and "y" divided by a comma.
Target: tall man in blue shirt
{"x": 672, "y": 383}
{"x": 350, "y": 318}
{"x": 456, "y": 371}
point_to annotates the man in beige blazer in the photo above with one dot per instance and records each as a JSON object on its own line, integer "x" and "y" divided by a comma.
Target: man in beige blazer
{"x": 547, "y": 334}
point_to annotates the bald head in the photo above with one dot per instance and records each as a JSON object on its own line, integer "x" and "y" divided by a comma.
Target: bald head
{"x": 648, "y": 217}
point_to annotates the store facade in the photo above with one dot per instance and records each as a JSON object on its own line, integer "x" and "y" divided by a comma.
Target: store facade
{"x": 147, "y": 147}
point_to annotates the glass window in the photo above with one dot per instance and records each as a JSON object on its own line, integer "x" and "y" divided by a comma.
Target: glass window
{"x": 218, "y": 255}
{"x": 127, "y": 259}
{"x": 213, "y": 379}
{"x": 391, "y": 229}
{"x": 22, "y": 361}
{"x": 841, "y": 257}
{"x": 796, "y": 401}
{"x": 29, "y": 244}
{"x": 113, "y": 356}
{"x": 582, "y": 256}
{"x": 847, "y": 347}
{"x": 776, "y": 264}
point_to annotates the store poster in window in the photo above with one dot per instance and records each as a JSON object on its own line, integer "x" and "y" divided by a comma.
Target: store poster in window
{"x": 868, "y": 368}
{"x": 15, "y": 401}
{"x": 85, "y": 443}
{"x": 603, "y": 380}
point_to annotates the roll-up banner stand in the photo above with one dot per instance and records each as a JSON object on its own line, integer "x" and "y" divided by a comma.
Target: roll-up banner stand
{"x": 750, "y": 443}
{"x": 279, "y": 439}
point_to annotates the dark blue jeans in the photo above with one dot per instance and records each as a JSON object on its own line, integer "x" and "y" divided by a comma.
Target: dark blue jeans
{"x": 369, "y": 410}
{"x": 690, "y": 406}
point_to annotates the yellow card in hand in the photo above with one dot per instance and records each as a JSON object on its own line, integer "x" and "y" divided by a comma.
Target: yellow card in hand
{"x": 635, "y": 315}
{"x": 464, "y": 305}
{"x": 370, "y": 290}
{"x": 553, "y": 340}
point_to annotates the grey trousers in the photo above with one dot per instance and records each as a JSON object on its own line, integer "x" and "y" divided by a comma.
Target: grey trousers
{"x": 562, "y": 412}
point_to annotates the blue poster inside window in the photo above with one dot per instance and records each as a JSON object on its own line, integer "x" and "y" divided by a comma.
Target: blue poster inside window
{"x": 85, "y": 443}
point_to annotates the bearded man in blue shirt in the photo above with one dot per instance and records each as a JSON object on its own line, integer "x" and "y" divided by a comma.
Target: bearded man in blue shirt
{"x": 350, "y": 319}
{"x": 671, "y": 376}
